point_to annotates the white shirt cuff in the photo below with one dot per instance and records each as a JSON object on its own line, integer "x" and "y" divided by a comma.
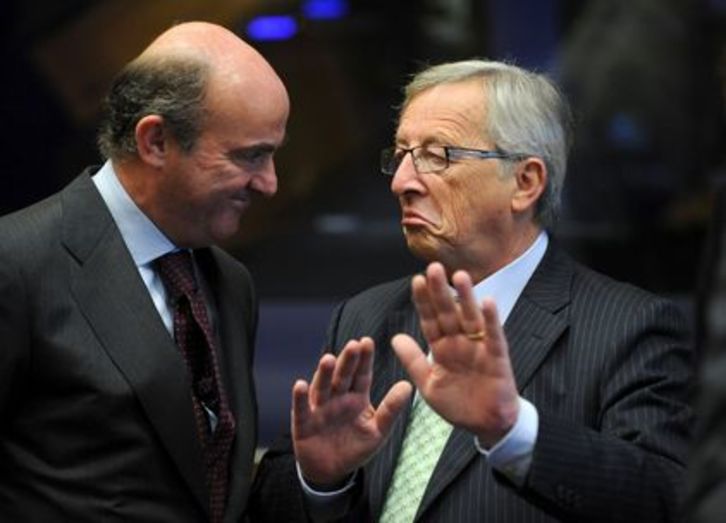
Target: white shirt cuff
{"x": 317, "y": 496}
{"x": 512, "y": 455}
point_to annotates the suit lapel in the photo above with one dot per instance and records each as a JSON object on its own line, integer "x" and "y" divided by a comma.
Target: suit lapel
{"x": 112, "y": 297}
{"x": 537, "y": 320}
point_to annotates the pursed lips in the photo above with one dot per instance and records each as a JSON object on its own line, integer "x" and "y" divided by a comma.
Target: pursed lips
{"x": 413, "y": 218}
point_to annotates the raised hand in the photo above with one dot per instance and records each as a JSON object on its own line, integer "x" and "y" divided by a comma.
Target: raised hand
{"x": 335, "y": 429}
{"x": 470, "y": 381}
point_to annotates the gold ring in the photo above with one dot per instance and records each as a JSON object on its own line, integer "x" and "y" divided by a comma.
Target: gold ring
{"x": 475, "y": 336}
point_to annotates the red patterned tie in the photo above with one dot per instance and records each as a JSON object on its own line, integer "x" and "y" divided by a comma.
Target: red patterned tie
{"x": 193, "y": 335}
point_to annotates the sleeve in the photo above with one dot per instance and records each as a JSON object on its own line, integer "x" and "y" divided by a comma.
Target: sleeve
{"x": 512, "y": 455}
{"x": 630, "y": 467}
{"x": 14, "y": 331}
{"x": 277, "y": 492}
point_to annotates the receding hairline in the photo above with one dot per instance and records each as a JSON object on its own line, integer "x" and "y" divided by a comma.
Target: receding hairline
{"x": 219, "y": 48}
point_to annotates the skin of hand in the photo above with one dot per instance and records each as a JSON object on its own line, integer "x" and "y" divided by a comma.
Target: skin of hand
{"x": 470, "y": 382}
{"x": 335, "y": 428}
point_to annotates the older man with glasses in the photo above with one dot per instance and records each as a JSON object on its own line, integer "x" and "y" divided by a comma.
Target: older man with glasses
{"x": 524, "y": 387}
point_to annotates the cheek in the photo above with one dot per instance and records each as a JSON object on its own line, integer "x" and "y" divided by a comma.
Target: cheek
{"x": 460, "y": 204}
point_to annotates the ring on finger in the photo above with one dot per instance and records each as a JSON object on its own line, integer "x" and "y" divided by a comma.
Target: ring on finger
{"x": 475, "y": 336}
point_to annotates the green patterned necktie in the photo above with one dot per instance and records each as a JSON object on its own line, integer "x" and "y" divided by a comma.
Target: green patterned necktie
{"x": 425, "y": 438}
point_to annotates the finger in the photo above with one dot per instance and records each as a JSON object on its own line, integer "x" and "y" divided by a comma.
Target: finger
{"x": 320, "y": 387}
{"x": 300, "y": 408}
{"x": 424, "y": 308}
{"x": 442, "y": 299}
{"x": 345, "y": 367}
{"x": 412, "y": 358}
{"x": 364, "y": 375}
{"x": 472, "y": 320}
{"x": 392, "y": 405}
{"x": 495, "y": 339}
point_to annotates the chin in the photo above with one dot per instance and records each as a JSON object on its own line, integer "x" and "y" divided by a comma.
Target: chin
{"x": 423, "y": 246}
{"x": 225, "y": 229}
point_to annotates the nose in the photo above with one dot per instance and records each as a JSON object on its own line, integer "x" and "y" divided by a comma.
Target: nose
{"x": 265, "y": 182}
{"x": 406, "y": 178}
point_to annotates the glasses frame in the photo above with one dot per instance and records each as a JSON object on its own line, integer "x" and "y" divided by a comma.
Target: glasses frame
{"x": 450, "y": 153}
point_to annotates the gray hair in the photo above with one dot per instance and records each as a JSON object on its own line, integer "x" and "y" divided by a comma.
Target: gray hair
{"x": 170, "y": 87}
{"x": 526, "y": 114}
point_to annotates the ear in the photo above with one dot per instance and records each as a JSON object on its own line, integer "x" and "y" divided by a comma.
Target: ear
{"x": 151, "y": 140}
{"x": 531, "y": 178}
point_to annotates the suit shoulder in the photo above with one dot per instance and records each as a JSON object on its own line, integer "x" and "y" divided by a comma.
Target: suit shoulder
{"x": 27, "y": 233}
{"x": 596, "y": 295}
{"x": 385, "y": 295}
{"x": 372, "y": 306}
{"x": 589, "y": 282}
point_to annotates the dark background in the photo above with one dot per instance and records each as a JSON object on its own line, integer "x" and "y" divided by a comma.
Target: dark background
{"x": 642, "y": 76}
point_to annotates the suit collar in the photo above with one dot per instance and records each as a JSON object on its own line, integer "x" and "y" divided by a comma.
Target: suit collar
{"x": 109, "y": 292}
{"x": 142, "y": 237}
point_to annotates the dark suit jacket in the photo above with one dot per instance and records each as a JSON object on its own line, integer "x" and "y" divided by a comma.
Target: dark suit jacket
{"x": 606, "y": 365}
{"x": 97, "y": 421}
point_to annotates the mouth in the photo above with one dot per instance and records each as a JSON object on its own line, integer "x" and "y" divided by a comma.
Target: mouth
{"x": 240, "y": 200}
{"x": 410, "y": 218}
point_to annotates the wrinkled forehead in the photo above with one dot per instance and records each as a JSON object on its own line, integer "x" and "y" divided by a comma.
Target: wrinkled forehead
{"x": 451, "y": 110}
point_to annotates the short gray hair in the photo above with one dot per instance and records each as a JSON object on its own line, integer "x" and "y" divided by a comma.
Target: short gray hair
{"x": 526, "y": 114}
{"x": 170, "y": 87}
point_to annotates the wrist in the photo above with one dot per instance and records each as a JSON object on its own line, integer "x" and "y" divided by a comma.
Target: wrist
{"x": 328, "y": 486}
{"x": 493, "y": 433}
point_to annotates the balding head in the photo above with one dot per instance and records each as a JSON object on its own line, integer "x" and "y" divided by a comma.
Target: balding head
{"x": 174, "y": 76}
{"x": 222, "y": 50}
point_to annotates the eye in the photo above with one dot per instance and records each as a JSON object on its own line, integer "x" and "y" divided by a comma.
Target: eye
{"x": 433, "y": 154}
{"x": 252, "y": 157}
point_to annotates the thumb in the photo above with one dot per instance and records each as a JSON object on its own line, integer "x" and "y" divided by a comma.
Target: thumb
{"x": 413, "y": 359}
{"x": 391, "y": 406}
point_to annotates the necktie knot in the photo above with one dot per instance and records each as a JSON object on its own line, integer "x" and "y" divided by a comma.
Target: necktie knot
{"x": 177, "y": 274}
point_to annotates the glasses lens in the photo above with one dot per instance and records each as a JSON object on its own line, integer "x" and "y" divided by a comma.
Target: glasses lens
{"x": 430, "y": 159}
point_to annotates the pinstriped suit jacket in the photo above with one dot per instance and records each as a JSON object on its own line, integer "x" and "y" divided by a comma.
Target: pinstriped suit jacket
{"x": 607, "y": 366}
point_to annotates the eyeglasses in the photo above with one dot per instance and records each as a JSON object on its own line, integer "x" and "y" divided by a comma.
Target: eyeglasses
{"x": 436, "y": 158}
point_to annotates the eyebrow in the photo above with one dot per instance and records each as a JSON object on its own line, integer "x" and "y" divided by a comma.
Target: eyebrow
{"x": 263, "y": 147}
{"x": 431, "y": 140}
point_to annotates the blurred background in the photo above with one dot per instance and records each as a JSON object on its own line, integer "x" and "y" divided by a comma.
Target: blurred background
{"x": 643, "y": 77}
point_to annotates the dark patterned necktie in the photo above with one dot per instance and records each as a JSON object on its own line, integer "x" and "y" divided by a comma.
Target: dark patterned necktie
{"x": 193, "y": 335}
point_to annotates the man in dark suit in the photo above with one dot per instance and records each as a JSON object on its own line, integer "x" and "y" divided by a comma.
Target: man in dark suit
{"x": 122, "y": 397}
{"x": 543, "y": 390}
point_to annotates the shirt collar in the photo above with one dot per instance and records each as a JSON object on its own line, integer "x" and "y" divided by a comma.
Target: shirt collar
{"x": 506, "y": 285}
{"x": 142, "y": 237}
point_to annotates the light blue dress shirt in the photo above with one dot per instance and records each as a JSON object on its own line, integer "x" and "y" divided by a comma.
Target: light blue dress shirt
{"x": 143, "y": 239}
{"x": 146, "y": 243}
